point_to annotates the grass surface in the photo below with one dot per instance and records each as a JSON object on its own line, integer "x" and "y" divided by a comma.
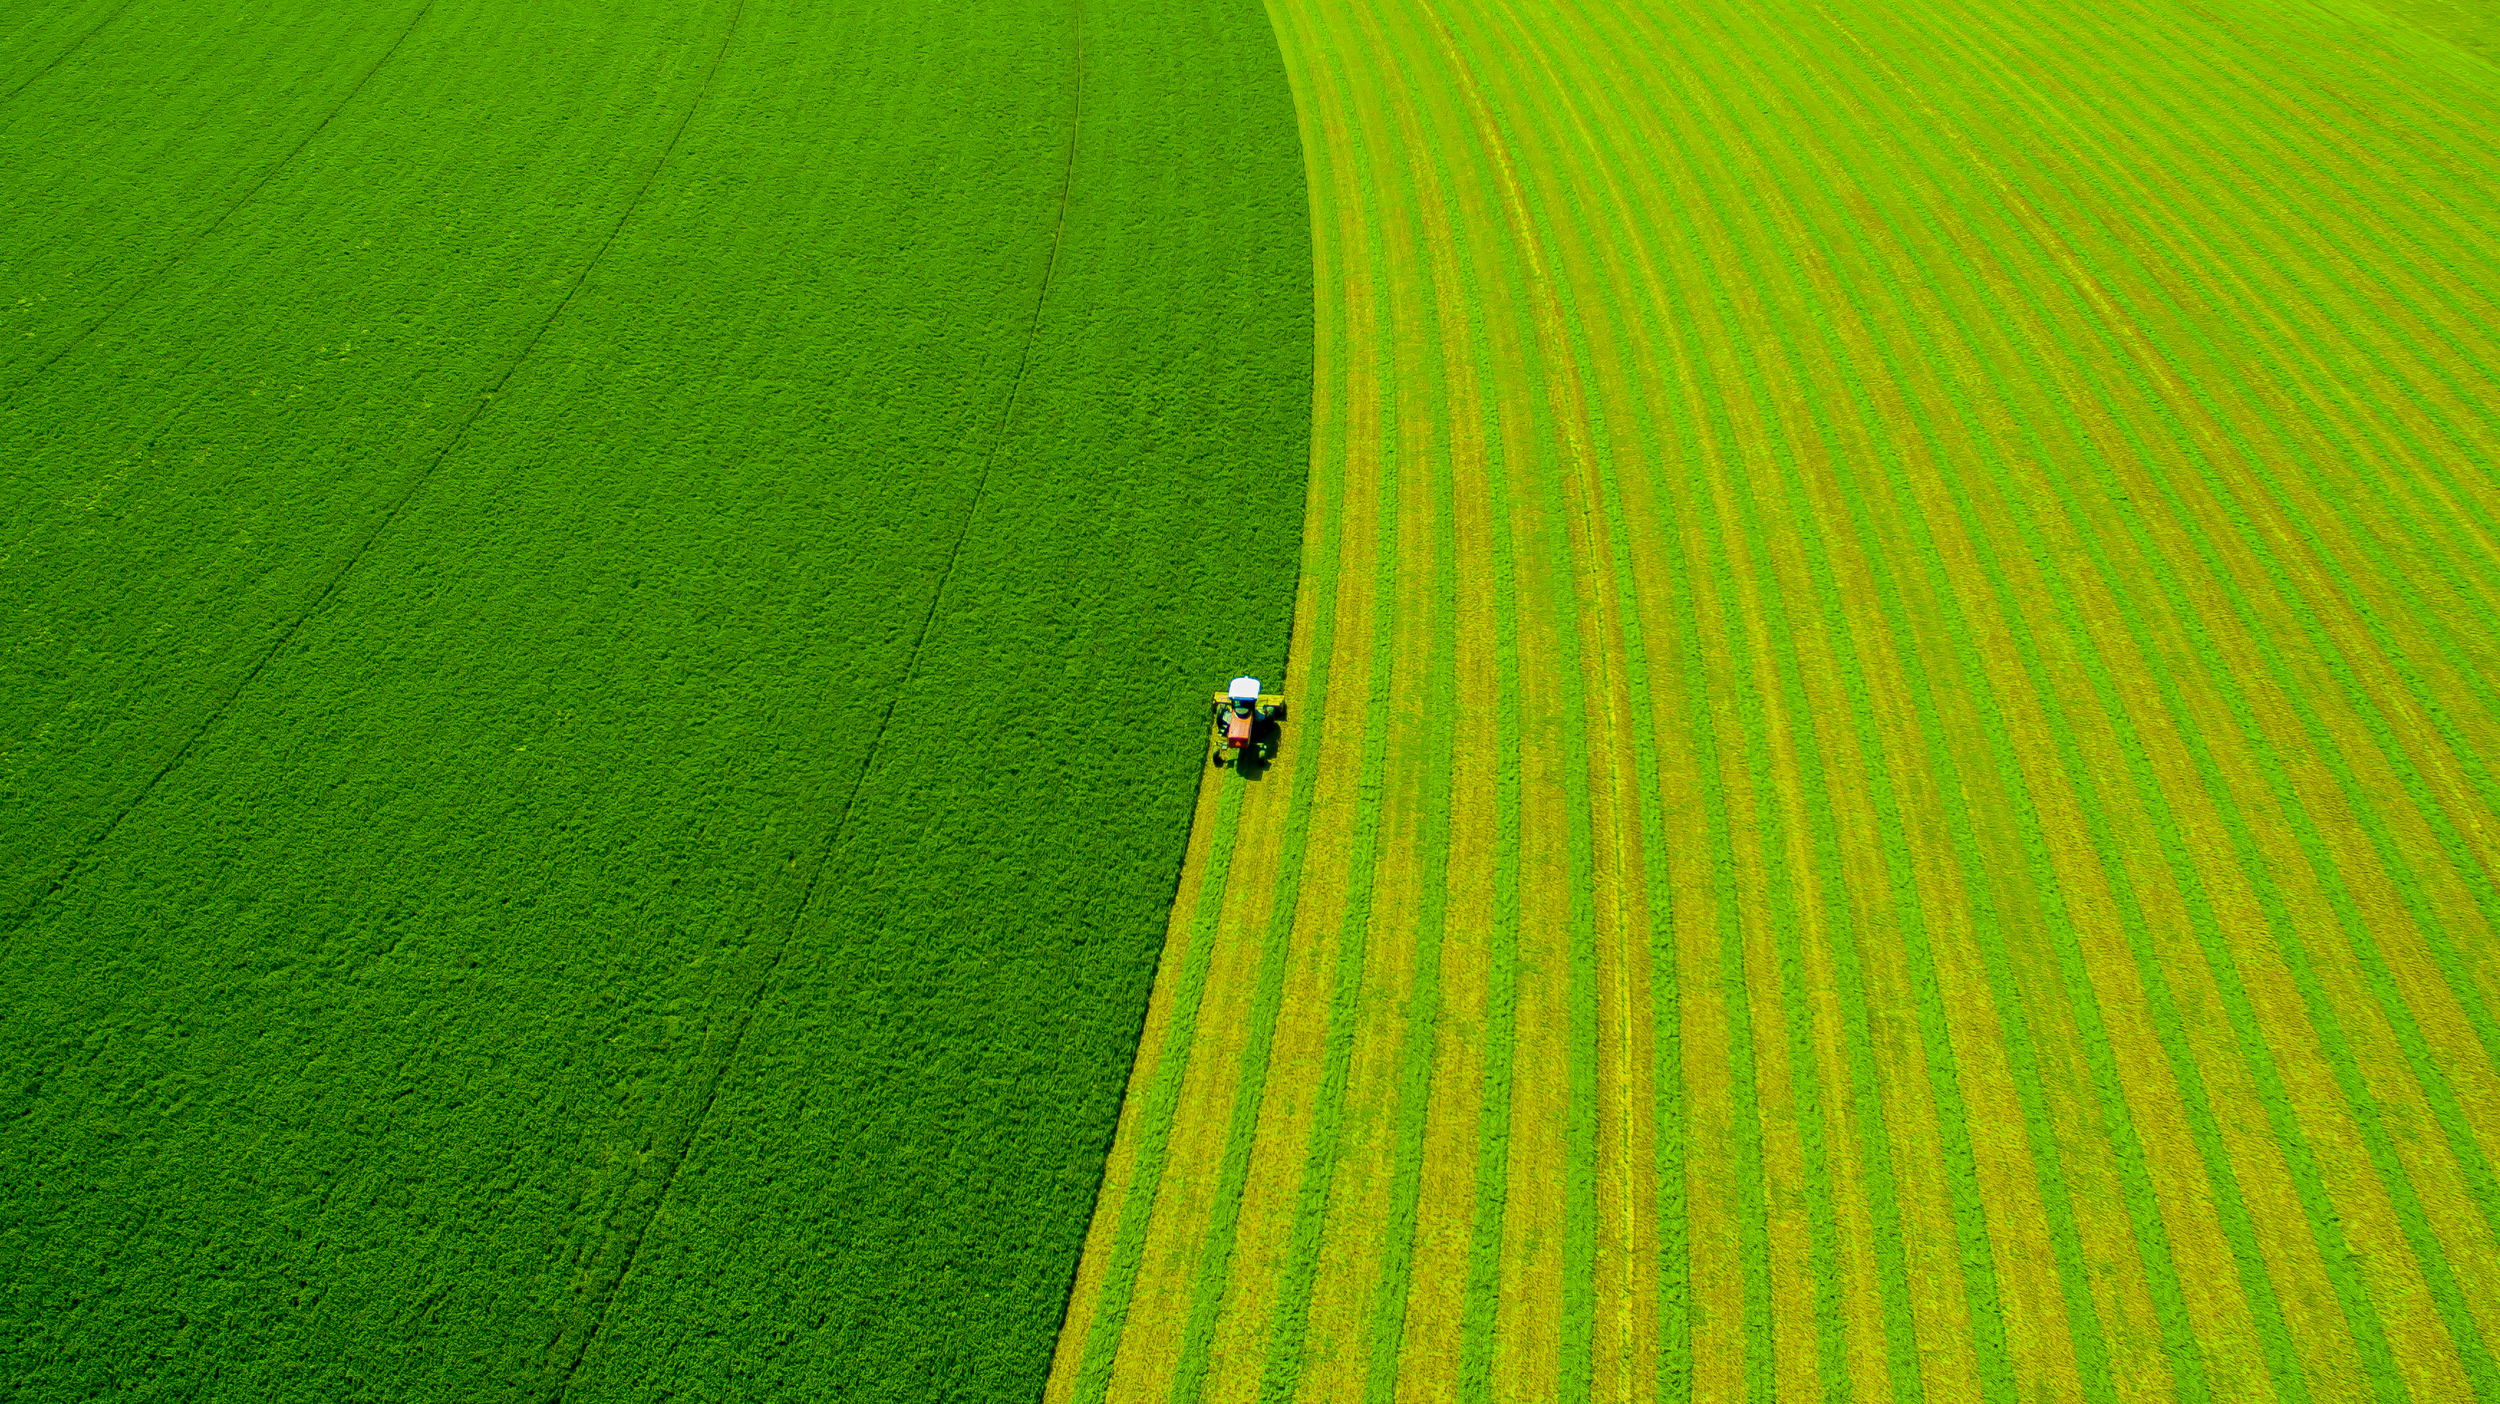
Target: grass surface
{"x": 607, "y": 609}
{"x": 1892, "y": 792}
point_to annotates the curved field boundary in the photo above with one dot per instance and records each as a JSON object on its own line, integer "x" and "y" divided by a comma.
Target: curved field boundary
{"x": 1931, "y": 833}
{"x": 604, "y": 673}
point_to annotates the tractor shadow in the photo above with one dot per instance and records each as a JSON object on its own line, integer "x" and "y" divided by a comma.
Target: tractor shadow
{"x": 1267, "y": 741}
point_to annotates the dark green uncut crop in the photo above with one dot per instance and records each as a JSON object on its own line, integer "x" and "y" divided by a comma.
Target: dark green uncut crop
{"x": 608, "y": 613}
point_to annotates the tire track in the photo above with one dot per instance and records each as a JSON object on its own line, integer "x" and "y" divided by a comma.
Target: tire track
{"x": 190, "y": 246}
{"x": 599, "y": 1312}
{"x": 399, "y": 504}
{"x": 63, "y": 56}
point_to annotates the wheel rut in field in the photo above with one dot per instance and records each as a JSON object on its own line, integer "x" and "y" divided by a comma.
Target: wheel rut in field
{"x": 833, "y": 841}
{"x": 485, "y": 400}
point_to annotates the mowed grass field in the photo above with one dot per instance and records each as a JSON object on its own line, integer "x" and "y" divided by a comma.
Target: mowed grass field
{"x": 605, "y": 614}
{"x": 1892, "y": 788}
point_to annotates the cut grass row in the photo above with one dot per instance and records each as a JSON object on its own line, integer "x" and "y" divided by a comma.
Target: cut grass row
{"x": 2036, "y": 602}
{"x": 1096, "y": 1356}
{"x": 1340, "y": 1183}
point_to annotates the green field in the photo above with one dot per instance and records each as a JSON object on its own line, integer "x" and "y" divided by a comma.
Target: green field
{"x": 1890, "y": 611}
{"x": 606, "y": 607}
{"x": 1894, "y": 791}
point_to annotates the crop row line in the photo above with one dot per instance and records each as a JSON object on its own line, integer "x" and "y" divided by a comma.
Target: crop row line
{"x": 141, "y": 286}
{"x": 1289, "y": 1326}
{"x": 72, "y": 47}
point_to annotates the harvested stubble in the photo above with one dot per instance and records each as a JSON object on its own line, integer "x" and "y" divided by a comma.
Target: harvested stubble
{"x": 1977, "y": 569}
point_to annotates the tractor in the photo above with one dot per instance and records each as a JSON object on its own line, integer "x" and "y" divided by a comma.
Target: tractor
{"x": 1245, "y": 724}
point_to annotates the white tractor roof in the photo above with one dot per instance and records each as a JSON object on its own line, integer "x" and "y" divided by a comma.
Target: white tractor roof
{"x": 1244, "y": 690}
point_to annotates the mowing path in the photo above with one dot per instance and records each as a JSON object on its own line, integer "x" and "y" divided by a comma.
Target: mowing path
{"x": 1892, "y": 787}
